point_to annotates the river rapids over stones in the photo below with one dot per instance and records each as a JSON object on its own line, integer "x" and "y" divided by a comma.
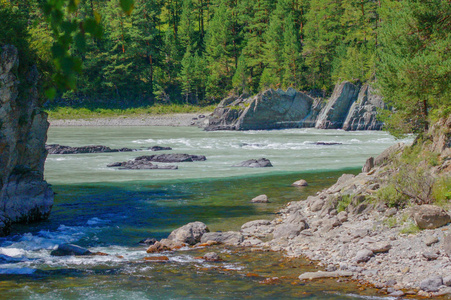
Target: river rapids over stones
{"x": 107, "y": 210}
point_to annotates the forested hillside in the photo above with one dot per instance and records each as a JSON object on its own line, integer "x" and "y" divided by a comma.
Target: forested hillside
{"x": 199, "y": 51}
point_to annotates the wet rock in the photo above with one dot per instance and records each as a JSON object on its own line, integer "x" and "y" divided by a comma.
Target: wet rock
{"x": 301, "y": 182}
{"x": 369, "y": 164}
{"x": 396, "y": 293}
{"x": 363, "y": 256}
{"x": 260, "y": 199}
{"x": 255, "y": 163}
{"x": 380, "y": 247}
{"x": 430, "y": 216}
{"x": 190, "y": 233}
{"x": 327, "y": 144}
{"x": 232, "y": 238}
{"x": 70, "y": 249}
{"x": 157, "y": 258}
{"x": 61, "y": 149}
{"x": 430, "y": 240}
{"x": 159, "y": 148}
{"x": 165, "y": 245}
{"x": 431, "y": 284}
{"x": 140, "y": 165}
{"x": 148, "y": 241}
{"x": 172, "y": 158}
{"x": 322, "y": 274}
{"x": 212, "y": 256}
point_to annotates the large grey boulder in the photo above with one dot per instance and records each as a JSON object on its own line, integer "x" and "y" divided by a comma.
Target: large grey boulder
{"x": 362, "y": 114}
{"x": 431, "y": 284}
{"x": 430, "y": 217}
{"x": 271, "y": 109}
{"x": 190, "y": 233}
{"x": 24, "y": 195}
{"x": 232, "y": 238}
{"x": 334, "y": 114}
{"x": 254, "y": 163}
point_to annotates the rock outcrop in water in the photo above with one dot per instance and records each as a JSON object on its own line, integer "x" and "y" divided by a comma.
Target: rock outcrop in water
{"x": 61, "y": 149}
{"x": 350, "y": 107}
{"x": 24, "y": 195}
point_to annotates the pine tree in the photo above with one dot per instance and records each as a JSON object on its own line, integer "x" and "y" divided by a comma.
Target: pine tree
{"x": 292, "y": 63}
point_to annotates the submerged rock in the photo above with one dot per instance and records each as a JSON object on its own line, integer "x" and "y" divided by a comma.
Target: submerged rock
{"x": 140, "y": 165}
{"x": 159, "y": 148}
{"x": 190, "y": 233}
{"x": 70, "y": 249}
{"x": 300, "y": 182}
{"x": 212, "y": 256}
{"x": 260, "y": 199}
{"x": 255, "y": 163}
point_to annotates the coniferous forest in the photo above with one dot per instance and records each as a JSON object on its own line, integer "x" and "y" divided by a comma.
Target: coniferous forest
{"x": 200, "y": 51}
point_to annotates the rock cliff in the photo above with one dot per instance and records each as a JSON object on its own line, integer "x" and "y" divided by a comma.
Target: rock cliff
{"x": 349, "y": 108}
{"x": 24, "y": 195}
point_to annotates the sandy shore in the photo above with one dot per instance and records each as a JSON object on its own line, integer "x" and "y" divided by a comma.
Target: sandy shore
{"x": 145, "y": 120}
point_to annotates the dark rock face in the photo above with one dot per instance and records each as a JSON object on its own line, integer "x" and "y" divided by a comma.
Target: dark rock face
{"x": 349, "y": 107}
{"x": 255, "y": 163}
{"x": 159, "y": 148}
{"x": 60, "y": 149}
{"x": 362, "y": 114}
{"x": 24, "y": 195}
{"x": 334, "y": 114}
{"x": 268, "y": 110}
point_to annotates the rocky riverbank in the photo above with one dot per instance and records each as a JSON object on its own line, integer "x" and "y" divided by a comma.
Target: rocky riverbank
{"x": 147, "y": 120}
{"x": 353, "y": 229}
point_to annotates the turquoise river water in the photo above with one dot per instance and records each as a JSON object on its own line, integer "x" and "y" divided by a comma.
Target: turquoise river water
{"x": 110, "y": 210}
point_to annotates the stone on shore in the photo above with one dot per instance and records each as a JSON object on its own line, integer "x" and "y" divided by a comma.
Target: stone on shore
{"x": 190, "y": 233}
{"x": 369, "y": 164}
{"x": 430, "y": 240}
{"x": 431, "y": 284}
{"x": 380, "y": 247}
{"x": 446, "y": 245}
{"x": 363, "y": 256}
{"x": 323, "y": 274}
{"x": 254, "y": 163}
{"x": 260, "y": 199}
{"x": 300, "y": 182}
{"x": 430, "y": 216}
{"x": 231, "y": 238}
{"x": 257, "y": 228}
{"x": 212, "y": 256}
{"x": 70, "y": 249}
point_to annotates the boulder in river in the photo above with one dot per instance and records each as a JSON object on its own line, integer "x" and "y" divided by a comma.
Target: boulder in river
{"x": 70, "y": 249}
{"x": 61, "y": 149}
{"x": 300, "y": 182}
{"x": 190, "y": 233}
{"x": 260, "y": 199}
{"x": 159, "y": 148}
{"x": 255, "y": 163}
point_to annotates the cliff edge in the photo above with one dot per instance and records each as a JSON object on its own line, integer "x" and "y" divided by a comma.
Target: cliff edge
{"x": 24, "y": 194}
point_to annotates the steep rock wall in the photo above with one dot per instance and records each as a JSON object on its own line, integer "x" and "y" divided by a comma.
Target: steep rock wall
{"x": 24, "y": 195}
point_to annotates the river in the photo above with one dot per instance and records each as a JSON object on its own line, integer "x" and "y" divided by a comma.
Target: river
{"x": 111, "y": 210}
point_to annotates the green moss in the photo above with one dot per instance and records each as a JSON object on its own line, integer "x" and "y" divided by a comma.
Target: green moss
{"x": 441, "y": 191}
{"x": 410, "y": 228}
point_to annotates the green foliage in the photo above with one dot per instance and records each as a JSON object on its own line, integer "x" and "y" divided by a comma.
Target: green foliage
{"x": 344, "y": 202}
{"x": 441, "y": 191}
{"x": 410, "y": 228}
{"x": 390, "y": 196}
{"x": 415, "y": 62}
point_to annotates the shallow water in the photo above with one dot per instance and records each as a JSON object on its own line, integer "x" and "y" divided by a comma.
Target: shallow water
{"x": 110, "y": 210}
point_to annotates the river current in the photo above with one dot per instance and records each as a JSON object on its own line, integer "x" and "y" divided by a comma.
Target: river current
{"x": 110, "y": 210}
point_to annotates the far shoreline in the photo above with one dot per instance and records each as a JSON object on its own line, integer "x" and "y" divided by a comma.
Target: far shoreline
{"x": 175, "y": 120}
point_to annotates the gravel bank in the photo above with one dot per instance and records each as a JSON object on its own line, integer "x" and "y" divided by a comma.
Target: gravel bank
{"x": 147, "y": 120}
